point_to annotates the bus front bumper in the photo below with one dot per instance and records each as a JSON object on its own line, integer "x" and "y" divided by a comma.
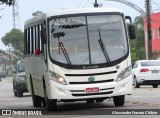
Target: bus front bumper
{"x": 78, "y": 91}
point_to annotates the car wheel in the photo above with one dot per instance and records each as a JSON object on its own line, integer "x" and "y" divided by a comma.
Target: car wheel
{"x": 119, "y": 100}
{"x": 14, "y": 90}
{"x": 19, "y": 93}
{"x": 15, "y": 93}
{"x": 155, "y": 85}
{"x": 35, "y": 99}
{"x": 136, "y": 84}
{"x": 90, "y": 101}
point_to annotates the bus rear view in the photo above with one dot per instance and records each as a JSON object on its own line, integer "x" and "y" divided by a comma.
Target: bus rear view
{"x": 88, "y": 58}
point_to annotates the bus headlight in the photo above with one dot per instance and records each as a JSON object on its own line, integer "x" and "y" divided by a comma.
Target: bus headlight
{"x": 57, "y": 78}
{"x": 126, "y": 72}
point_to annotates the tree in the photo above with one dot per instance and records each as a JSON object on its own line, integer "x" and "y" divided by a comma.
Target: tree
{"x": 37, "y": 13}
{"x": 16, "y": 38}
{"x": 7, "y": 2}
{"x": 138, "y": 22}
{"x": 138, "y": 45}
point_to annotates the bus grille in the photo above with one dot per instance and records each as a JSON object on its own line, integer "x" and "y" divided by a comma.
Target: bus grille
{"x": 88, "y": 94}
{"x": 94, "y": 82}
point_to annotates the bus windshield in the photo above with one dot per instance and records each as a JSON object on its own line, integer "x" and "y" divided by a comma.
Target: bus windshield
{"x": 87, "y": 40}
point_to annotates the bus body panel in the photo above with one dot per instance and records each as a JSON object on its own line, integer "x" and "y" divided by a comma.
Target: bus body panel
{"x": 38, "y": 70}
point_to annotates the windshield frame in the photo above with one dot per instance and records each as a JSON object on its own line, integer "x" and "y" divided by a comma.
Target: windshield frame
{"x": 89, "y": 66}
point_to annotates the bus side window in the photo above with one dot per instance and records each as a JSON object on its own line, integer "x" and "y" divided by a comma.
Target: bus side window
{"x": 28, "y": 45}
{"x": 34, "y": 40}
{"x": 43, "y": 42}
{"x": 25, "y": 41}
{"x": 31, "y": 41}
{"x": 40, "y": 39}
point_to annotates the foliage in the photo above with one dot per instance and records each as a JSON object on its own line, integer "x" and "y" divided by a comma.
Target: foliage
{"x": 138, "y": 45}
{"x": 37, "y": 13}
{"x": 138, "y": 22}
{"x": 7, "y": 2}
{"x": 15, "y": 37}
{"x": 2, "y": 52}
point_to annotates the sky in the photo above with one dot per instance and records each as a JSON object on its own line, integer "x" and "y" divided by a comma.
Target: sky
{"x": 27, "y": 7}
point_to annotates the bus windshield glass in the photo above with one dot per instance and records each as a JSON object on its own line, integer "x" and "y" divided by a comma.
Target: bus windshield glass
{"x": 87, "y": 40}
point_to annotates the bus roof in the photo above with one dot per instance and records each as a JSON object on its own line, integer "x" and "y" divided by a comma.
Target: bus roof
{"x": 81, "y": 10}
{"x": 71, "y": 11}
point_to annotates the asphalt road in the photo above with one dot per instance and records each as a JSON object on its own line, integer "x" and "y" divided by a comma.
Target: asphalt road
{"x": 146, "y": 98}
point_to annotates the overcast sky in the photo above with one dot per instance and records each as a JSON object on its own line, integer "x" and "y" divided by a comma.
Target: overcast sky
{"x": 27, "y": 7}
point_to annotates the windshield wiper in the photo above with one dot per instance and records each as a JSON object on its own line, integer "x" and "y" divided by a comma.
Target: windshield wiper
{"x": 103, "y": 48}
{"x": 65, "y": 53}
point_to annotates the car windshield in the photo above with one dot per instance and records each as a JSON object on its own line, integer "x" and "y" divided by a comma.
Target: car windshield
{"x": 21, "y": 67}
{"x": 87, "y": 40}
{"x": 150, "y": 63}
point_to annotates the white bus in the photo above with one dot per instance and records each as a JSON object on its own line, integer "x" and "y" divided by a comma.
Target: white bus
{"x": 78, "y": 55}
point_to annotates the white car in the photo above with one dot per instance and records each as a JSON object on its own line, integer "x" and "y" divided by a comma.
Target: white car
{"x": 146, "y": 72}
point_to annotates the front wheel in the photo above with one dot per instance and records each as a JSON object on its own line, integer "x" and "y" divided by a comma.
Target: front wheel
{"x": 119, "y": 100}
{"x": 90, "y": 101}
{"x": 155, "y": 85}
{"x": 49, "y": 104}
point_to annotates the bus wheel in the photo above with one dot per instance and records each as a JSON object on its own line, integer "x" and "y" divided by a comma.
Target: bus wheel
{"x": 49, "y": 104}
{"x": 35, "y": 99}
{"x": 155, "y": 85}
{"x": 90, "y": 100}
{"x": 119, "y": 100}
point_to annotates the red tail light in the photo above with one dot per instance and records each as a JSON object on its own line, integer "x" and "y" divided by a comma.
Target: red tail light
{"x": 144, "y": 70}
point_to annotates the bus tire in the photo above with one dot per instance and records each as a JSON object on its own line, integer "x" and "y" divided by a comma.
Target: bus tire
{"x": 35, "y": 99}
{"x": 90, "y": 101}
{"x": 155, "y": 85}
{"x": 119, "y": 100}
{"x": 49, "y": 104}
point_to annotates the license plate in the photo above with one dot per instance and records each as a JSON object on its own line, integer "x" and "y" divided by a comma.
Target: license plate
{"x": 92, "y": 90}
{"x": 155, "y": 71}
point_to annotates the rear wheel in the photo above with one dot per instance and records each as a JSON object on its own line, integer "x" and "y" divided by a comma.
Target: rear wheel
{"x": 119, "y": 100}
{"x": 136, "y": 84}
{"x": 155, "y": 85}
{"x": 35, "y": 99}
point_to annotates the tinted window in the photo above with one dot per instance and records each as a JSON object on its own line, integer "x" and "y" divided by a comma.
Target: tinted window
{"x": 150, "y": 63}
{"x": 21, "y": 67}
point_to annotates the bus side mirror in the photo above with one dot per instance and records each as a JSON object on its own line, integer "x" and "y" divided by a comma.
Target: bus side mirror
{"x": 131, "y": 30}
{"x": 43, "y": 36}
